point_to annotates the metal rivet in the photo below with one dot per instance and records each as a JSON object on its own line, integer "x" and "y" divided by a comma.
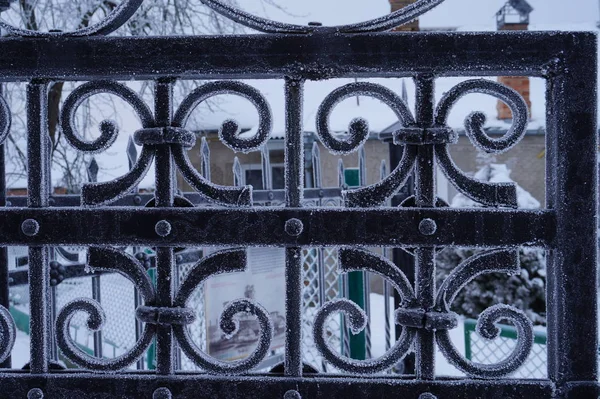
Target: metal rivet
{"x": 427, "y": 395}
{"x": 162, "y": 393}
{"x": 292, "y": 394}
{"x": 427, "y": 227}
{"x": 137, "y": 200}
{"x": 35, "y": 393}
{"x": 163, "y": 228}
{"x": 30, "y": 227}
{"x": 294, "y": 227}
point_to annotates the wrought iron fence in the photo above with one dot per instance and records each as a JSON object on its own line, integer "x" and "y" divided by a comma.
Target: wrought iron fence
{"x": 296, "y": 54}
{"x": 71, "y": 279}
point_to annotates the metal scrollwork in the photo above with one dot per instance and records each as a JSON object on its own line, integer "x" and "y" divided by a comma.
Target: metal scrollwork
{"x": 229, "y": 131}
{"x": 151, "y": 136}
{"x": 439, "y": 134}
{"x": 387, "y": 22}
{"x": 475, "y": 121}
{"x": 5, "y": 119}
{"x": 226, "y": 261}
{"x": 359, "y": 128}
{"x": 8, "y": 333}
{"x": 105, "y": 259}
{"x": 503, "y": 261}
{"x": 493, "y": 194}
{"x": 94, "y": 194}
{"x": 109, "y": 131}
{"x": 113, "y": 21}
{"x": 359, "y": 133}
{"x": 355, "y": 260}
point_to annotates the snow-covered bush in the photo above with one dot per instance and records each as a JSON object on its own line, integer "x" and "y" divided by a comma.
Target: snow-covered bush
{"x": 525, "y": 290}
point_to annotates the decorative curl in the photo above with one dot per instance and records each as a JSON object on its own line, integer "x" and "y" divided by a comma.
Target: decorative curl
{"x": 95, "y": 321}
{"x": 387, "y": 22}
{"x": 359, "y": 128}
{"x": 487, "y": 329}
{"x": 106, "y": 259}
{"x": 8, "y": 333}
{"x": 226, "y": 261}
{"x": 505, "y": 261}
{"x": 230, "y": 130}
{"x": 113, "y": 21}
{"x": 475, "y": 121}
{"x": 5, "y": 119}
{"x": 108, "y": 129}
{"x": 357, "y": 320}
{"x": 362, "y": 260}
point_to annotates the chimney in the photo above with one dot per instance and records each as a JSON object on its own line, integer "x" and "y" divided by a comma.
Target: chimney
{"x": 514, "y": 15}
{"x": 412, "y": 26}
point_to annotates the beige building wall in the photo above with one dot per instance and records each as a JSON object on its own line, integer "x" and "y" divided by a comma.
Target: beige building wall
{"x": 526, "y": 161}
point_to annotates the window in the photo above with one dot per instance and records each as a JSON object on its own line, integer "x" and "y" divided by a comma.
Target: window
{"x": 254, "y": 177}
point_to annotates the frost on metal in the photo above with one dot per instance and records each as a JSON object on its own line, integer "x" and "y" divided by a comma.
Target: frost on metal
{"x": 108, "y": 217}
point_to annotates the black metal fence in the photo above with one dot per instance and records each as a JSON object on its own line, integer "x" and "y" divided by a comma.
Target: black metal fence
{"x": 566, "y": 229}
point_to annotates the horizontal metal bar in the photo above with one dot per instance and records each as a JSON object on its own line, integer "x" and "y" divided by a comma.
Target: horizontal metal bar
{"x": 137, "y": 385}
{"x": 258, "y": 196}
{"x": 266, "y": 227}
{"x": 310, "y": 57}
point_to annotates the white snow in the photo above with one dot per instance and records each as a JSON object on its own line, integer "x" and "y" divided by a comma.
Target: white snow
{"x": 496, "y": 173}
{"x": 20, "y": 352}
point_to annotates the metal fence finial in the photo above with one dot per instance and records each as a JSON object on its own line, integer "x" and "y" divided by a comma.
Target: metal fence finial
{"x": 205, "y": 158}
{"x": 316, "y": 165}
{"x": 92, "y": 170}
{"x": 238, "y": 176}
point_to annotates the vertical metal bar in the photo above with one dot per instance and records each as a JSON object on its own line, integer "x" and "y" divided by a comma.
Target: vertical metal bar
{"x": 571, "y": 170}
{"x": 318, "y": 183}
{"x": 137, "y": 301}
{"x": 38, "y": 196}
{"x": 164, "y": 197}
{"x": 294, "y": 189}
{"x": 177, "y": 280}
{"x": 402, "y": 258}
{"x": 52, "y": 305}
{"x": 4, "y": 283}
{"x": 92, "y": 173}
{"x": 362, "y": 175}
{"x": 96, "y": 295}
{"x": 425, "y": 257}
{"x": 386, "y": 284}
{"x": 132, "y": 155}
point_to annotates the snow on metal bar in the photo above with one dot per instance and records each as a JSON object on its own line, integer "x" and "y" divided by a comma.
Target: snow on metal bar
{"x": 108, "y": 217}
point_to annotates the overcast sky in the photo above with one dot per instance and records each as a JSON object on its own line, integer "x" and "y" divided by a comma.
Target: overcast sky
{"x": 451, "y": 13}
